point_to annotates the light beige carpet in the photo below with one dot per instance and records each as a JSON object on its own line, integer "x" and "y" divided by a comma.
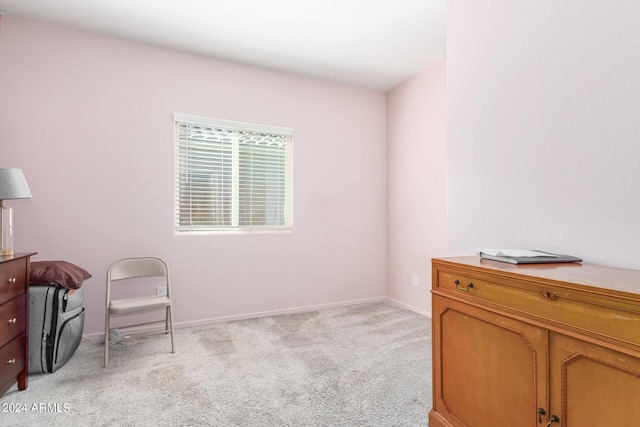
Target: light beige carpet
{"x": 362, "y": 365}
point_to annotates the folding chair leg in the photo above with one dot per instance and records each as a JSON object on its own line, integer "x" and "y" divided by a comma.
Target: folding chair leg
{"x": 106, "y": 339}
{"x": 170, "y": 321}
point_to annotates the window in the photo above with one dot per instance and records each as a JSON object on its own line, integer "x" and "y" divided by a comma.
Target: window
{"x": 232, "y": 176}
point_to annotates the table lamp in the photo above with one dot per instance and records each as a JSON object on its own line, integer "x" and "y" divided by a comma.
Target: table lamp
{"x": 12, "y": 186}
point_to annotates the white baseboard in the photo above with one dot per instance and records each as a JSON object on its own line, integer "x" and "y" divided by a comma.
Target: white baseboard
{"x": 425, "y": 313}
{"x": 302, "y": 309}
{"x": 293, "y": 310}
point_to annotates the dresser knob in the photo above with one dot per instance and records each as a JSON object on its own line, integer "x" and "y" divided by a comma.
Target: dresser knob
{"x": 12, "y": 280}
{"x": 14, "y": 320}
{"x": 11, "y": 361}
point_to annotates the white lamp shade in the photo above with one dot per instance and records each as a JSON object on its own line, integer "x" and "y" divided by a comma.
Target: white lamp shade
{"x": 13, "y": 185}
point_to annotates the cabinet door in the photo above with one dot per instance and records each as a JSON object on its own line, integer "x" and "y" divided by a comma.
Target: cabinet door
{"x": 592, "y": 385}
{"x": 490, "y": 370}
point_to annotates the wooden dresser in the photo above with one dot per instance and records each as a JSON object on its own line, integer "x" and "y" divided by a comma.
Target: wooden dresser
{"x": 534, "y": 345}
{"x": 14, "y": 321}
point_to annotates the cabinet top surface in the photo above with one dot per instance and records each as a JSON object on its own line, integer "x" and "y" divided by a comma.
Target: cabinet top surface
{"x": 575, "y": 275}
{"x": 16, "y": 256}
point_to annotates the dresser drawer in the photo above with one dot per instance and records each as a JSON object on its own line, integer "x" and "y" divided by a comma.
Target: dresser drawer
{"x": 12, "y": 360}
{"x": 12, "y": 319}
{"x": 12, "y": 279}
{"x": 597, "y": 314}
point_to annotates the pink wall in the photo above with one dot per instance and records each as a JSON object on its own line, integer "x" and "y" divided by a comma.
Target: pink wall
{"x": 89, "y": 120}
{"x": 416, "y": 170}
{"x": 543, "y": 126}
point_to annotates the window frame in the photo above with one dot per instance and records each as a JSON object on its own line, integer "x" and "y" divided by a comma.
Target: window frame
{"x": 235, "y": 127}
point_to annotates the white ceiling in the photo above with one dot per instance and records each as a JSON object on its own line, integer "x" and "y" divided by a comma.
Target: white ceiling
{"x": 375, "y": 44}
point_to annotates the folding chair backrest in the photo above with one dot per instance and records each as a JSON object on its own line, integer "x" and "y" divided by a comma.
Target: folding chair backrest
{"x": 137, "y": 267}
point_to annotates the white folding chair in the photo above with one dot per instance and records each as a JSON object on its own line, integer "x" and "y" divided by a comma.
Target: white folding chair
{"x": 125, "y": 272}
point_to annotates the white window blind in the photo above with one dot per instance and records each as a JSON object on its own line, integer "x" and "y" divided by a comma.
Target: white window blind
{"x": 232, "y": 175}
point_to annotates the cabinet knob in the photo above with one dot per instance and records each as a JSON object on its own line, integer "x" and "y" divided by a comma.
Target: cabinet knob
{"x": 11, "y": 361}
{"x": 550, "y": 296}
{"x": 14, "y": 320}
{"x": 541, "y": 412}
{"x": 11, "y": 280}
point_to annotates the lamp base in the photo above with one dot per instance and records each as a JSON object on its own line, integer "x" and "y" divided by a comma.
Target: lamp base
{"x": 6, "y": 231}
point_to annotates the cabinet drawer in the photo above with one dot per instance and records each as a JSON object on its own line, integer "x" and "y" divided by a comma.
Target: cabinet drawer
{"x": 12, "y": 319}
{"x": 12, "y": 360}
{"x": 599, "y": 315}
{"x": 13, "y": 279}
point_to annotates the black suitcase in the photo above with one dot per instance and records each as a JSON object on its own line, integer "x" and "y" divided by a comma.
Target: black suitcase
{"x": 56, "y": 323}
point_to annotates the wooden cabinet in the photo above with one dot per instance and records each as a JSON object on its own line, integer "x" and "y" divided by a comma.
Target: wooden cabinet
{"x": 517, "y": 345}
{"x": 14, "y": 321}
